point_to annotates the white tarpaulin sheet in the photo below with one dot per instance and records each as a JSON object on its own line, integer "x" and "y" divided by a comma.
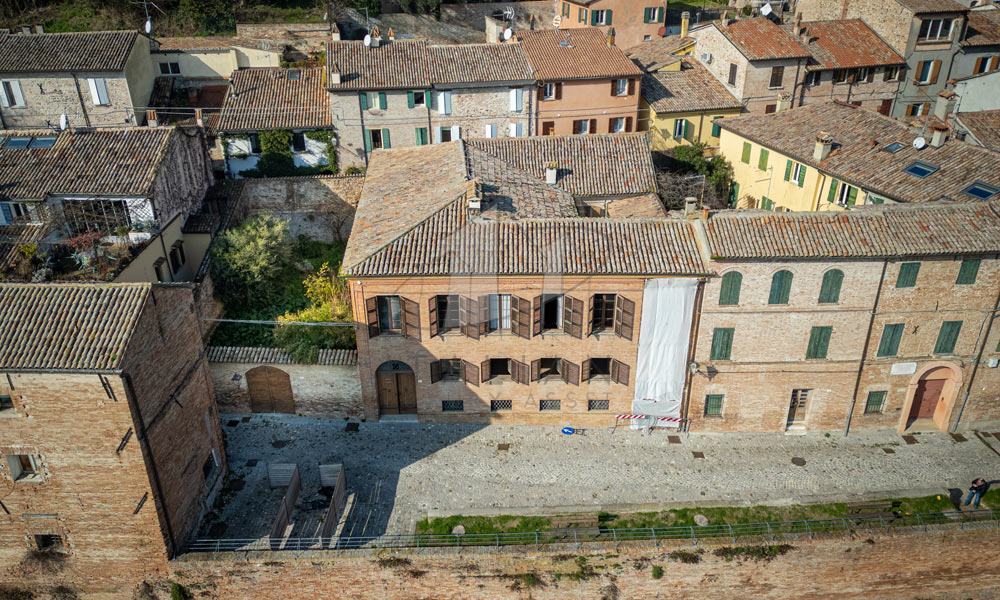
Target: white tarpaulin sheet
{"x": 661, "y": 367}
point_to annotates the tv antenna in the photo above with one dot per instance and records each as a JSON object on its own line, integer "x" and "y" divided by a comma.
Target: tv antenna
{"x": 148, "y": 28}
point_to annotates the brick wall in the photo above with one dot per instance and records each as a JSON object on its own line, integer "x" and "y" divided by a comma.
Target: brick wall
{"x": 327, "y": 391}
{"x": 321, "y": 207}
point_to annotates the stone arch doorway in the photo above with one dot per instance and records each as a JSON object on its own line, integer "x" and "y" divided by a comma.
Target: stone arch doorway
{"x": 930, "y": 397}
{"x": 270, "y": 390}
{"x": 397, "y": 388}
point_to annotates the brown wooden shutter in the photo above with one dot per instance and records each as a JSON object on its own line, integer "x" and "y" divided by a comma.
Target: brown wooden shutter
{"x": 520, "y": 317}
{"x": 614, "y": 88}
{"x": 994, "y": 63}
{"x": 979, "y": 64}
{"x": 590, "y": 316}
{"x": 535, "y": 368}
{"x": 371, "y": 314}
{"x": 628, "y": 124}
{"x": 468, "y": 315}
{"x": 541, "y": 92}
{"x": 935, "y": 69}
{"x": 536, "y": 316}
{"x": 918, "y": 71}
{"x": 558, "y": 91}
{"x": 484, "y": 314}
{"x": 631, "y": 87}
{"x": 570, "y": 372}
{"x": 470, "y": 372}
{"x": 611, "y": 125}
{"x": 619, "y": 372}
{"x": 593, "y": 126}
{"x": 435, "y": 371}
{"x": 585, "y": 371}
{"x": 573, "y": 316}
{"x": 484, "y": 369}
{"x": 519, "y": 371}
{"x": 624, "y": 317}
{"x": 871, "y": 75}
{"x": 432, "y": 315}
{"x": 411, "y": 318}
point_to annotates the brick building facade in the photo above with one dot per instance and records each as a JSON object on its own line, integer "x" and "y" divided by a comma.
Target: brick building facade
{"x": 112, "y": 445}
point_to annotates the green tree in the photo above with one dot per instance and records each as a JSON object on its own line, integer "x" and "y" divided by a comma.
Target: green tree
{"x": 210, "y": 16}
{"x": 328, "y": 293}
{"x": 247, "y": 261}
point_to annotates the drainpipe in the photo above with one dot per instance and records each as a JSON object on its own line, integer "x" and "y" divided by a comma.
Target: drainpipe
{"x": 975, "y": 366}
{"x": 361, "y": 113}
{"x": 79, "y": 94}
{"x": 864, "y": 350}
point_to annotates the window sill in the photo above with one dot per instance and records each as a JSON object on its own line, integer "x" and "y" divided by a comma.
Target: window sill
{"x": 499, "y": 380}
{"x": 780, "y": 87}
{"x": 9, "y": 413}
{"x": 602, "y": 380}
{"x": 719, "y": 417}
{"x": 34, "y": 479}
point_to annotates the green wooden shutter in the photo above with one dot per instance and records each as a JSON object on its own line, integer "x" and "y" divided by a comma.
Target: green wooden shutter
{"x": 607, "y": 17}
{"x": 781, "y": 285}
{"x": 687, "y": 130}
{"x": 832, "y": 194}
{"x": 421, "y": 136}
{"x": 788, "y": 170}
{"x": 729, "y": 295}
{"x": 907, "y": 275}
{"x": 889, "y": 344}
{"x": 382, "y": 103}
{"x": 968, "y": 272}
{"x": 716, "y": 130}
{"x": 762, "y": 161}
{"x": 734, "y": 194}
{"x": 409, "y": 100}
{"x": 385, "y": 139}
{"x": 722, "y": 343}
{"x": 947, "y": 337}
{"x": 829, "y": 292}
{"x": 746, "y": 153}
{"x": 593, "y": 18}
{"x": 368, "y": 140}
{"x": 802, "y": 175}
{"x": 852, "y": 196}
{"x": 819, "y": 342}
{"x": 645, "y": 15}
{"x": 364, "y": 100}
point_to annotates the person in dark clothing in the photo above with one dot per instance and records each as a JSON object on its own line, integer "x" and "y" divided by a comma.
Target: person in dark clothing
{"x": 976, "y": 492}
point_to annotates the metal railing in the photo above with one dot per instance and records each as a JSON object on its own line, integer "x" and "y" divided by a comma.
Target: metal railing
{"x": 580, "y": 535}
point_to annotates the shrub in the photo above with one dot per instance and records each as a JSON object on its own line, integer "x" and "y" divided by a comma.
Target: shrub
{"x": 247, "y": 261}
{"x": 657, "y": 572}
{"x": 177, "y": 592}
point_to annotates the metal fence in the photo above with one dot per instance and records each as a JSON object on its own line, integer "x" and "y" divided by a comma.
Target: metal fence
{"x": 581, "y": 535}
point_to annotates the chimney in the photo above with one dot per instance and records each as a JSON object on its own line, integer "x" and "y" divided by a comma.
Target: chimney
{"x": 944, "y": 104}
{"x": 724, "y": 21}
{"x": 690, "y": 205}
{"x": 26, "y": 29}
{"x": 39, "y": 28}
{"x": 824, "y": 144}
{"x": 939, "y": 135}
{"x": 334, "y": 74}
{"x": 685, "y": 23}
{"x": 611, "y": 37}
{"x": 784, "y": 102}
{"x": 334, "y": 32}
{"x": 551, "y": 170}
{"x": 151, "y": 118}
{"x": 392, "y": 35}
{"x": 199, "y": 118}
{"x": 798, "y": 23}
{"x": 473, "y": 196}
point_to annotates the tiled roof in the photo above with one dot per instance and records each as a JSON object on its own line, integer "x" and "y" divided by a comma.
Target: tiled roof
{"x": 846, "y": 44}
{"x": 74, "y": 327}
{"x": 658, "y": 52}
{"x": 202, "y": 223}
{"x": 561, "y": 54}
{"x": 589, "y": 165}
{"x": 400, "y": 64}
{"x": 13, "y": 238}
{"x": 120, "y": 161}
{"x": 509, "y": 192}
{"x": 277, "y": 356}
{"x": 208, "y": 42}
{"x": 647, "y": 206}
{"x": 932, "y": 6}
{"x": 690, "y": 89}
{"x": 268, "y": 98}
{"x": 858, "y": 157}
{"x": 478, "y": 63}
{"x": 883, "y": 232}
{"x": 984, "y": 28}
{"x": 984, "y": 125}
{"x": 44, "y": 52}
{"x": 761, "y": 39}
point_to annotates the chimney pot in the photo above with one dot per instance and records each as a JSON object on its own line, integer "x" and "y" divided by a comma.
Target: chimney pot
{"x": 939, "y": 135}
{"x": 824, "y": 144}
{"x": 199, "y": 118}
{"x": 39, "y": 28}
{"x": 685, "y": 23}
{"x": 611, "y": 37}
{"x": 151, "y": 119}
{"x": 724, "y": 21}
{"x": 26, "y": 29}
{"x": 334, "y": 31}
{"x": 335, "y": 74}
{"x": 551, "y": 171}
{"x": 944, "y": 104}
{"x": 473, "y": 197}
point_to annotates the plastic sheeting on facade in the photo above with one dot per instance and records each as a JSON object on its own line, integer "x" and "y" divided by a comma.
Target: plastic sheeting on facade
{"x": 664, "y": 333}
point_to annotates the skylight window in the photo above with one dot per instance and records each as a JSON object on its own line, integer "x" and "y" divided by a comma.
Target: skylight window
{"x": 981, "y": 190}
{"x": 43, "y": 142}
{"x": 920, "y": 169}
{"x": 18, "y": 142}
{"x": 894, "y": 147}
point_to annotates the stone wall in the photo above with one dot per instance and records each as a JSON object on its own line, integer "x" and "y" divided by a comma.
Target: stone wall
{"x": 350, "y": 122}
{"x": 473, "y": 109}
{"x": 474, "y": 14}
{"x": 320, "y": 207}
{"x": 46, "y": 96}
{"x": 183, "y": 175}
{"x": 870, "y": 95}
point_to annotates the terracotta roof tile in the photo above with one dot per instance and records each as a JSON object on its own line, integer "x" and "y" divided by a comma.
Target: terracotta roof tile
{"x": 658, "y": 52}
{"x": 761, "y": 39}
{"x": 478, "y": 63}
{"x": 846, "y": 44}
{"x": 44, "y": 52}
{"x": 75, "y": 327}
{"x": 984, "y": 28}
{"x": 932, "y": 6}
{"x": 575, "y": 54}
{"x": 208, "y": 42}
{"x": 257, "y": 355}
{"x": 269, "y": 98}
{"x": 400, "y": 64}
{"x": 984, "y": 125}
{"x": 692, "y": 88}
{"x": 884, "y": 232}
{"x": 858, "y": 157}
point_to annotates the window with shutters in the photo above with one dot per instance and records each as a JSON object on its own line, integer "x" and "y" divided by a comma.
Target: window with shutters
{"x": 947, "y": 337}
{"x": 549, "y": 368}
{"x": 499, "y": 368}
{"x": 847, "y": 195}
{"x": 23, "y": 468}
{"x": 762, "y": 159}
{"x": 617, "y": 125}
{"x": 813, "y": 78}
{"x": 729, "y": 294}
{"x": 934, "y": 30}
{"x": 581, "y": 126}
{"x": 777, "y": 75}
{"x": 891, "y": 74}
{"x": 552, "y": 312}
{"x": 499, "y": 312}
{"x": 451, "y": 369}
{"x": 624, "y": 317}
{"x": 549, "y": 91}
{"x": 722, "y": 343}
{"x": 745, "y": 156}
{"x": 621, "y": 87}
{"x": 889, "y": 344}
{"x": 444, "y": 134}
{"x": 829, "y": 291}
{"x": 925, "y": 72}
{"x": 679, "y": 128}
{"x": 907, "y": 277}
{"x": 447, "y": 312}
{"x": 600, "y": 369}
{"x": 389, "y": 317}
{"x": 375, "y": 139}
{"x": 875, "y": 403}
{"x": 732, "y": 73}
{"x": 599, "y": 17}
{"x": 840, "y": 75}
{"x": 420, "y": 98}
{"x": 781, "y": 287}
{"x": 819, "y": 342}
{"x": 603, "y": 317}
{"x": 713, "y": 405}
{"x": 968, "y": 272}
{"x": 716, "y": 128}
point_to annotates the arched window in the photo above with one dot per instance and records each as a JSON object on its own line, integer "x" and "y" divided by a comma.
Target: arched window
{"x": 829, "y": 293}
{"x": 730, "y": 293}
{"x": 781, "y": 286}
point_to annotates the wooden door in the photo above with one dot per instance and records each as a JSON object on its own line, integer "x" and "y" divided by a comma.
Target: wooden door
{"x": 388, "y": 395}
{"x": 407, "y": 389}
{"x": 797, "y": 407}
{"x": 925, "y": 400}
{"x": 270, "y": 390}
{"x": 885, "y": 108}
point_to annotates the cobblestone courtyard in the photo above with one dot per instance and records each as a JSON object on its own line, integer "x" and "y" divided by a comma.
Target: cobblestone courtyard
{"x": 399, "y": 473}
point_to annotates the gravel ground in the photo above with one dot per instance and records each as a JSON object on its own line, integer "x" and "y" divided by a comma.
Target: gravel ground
{"x": 400, "y": 473}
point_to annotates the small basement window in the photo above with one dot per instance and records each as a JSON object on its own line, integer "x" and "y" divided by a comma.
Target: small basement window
{"x": 920, "y": 169}
{"x": 6, "y": 403}
{"x": 981, "y": 190}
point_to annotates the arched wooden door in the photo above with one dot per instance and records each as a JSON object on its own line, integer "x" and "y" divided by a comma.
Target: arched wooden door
{"x": 925, "y": 401}
{"x": 397, "y": 388}
{"x": 270, "y": 390}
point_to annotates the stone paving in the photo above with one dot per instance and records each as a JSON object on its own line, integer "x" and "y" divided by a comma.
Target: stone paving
{"x": 400, "y": 473}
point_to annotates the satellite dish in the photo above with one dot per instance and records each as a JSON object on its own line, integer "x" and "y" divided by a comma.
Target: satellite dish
{"x": 368, "y": 40}
{"x": 508, "y": 33}
{"x": 919, "y": 143}
{"x": 149, "y": 25}
{"x": 63, "y": 121}
{"x": 766, "y": 9}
